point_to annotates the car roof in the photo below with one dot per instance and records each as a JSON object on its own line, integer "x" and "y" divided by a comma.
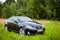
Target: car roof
{"x": 19, "y": 16}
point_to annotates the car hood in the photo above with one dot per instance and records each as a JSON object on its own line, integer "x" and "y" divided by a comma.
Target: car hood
{"x": 33, "y": 24}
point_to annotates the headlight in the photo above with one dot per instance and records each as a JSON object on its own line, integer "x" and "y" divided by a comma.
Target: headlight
{"x": 28, "y": 26}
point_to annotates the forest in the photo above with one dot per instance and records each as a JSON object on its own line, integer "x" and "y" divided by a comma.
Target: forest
{"x": 36, "y": 9}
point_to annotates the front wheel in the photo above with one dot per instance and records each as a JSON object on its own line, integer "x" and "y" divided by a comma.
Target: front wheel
{"x": 22, "y": 32}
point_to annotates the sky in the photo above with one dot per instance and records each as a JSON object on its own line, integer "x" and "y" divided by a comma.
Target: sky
{"x": 2, "y": 1}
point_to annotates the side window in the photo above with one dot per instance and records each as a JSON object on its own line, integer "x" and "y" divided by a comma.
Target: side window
{"x": 11, "y": 19}
{"x": 15, "y": 19}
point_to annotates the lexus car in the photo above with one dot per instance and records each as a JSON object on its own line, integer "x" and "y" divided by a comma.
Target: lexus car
{"x": 24, "y": 25}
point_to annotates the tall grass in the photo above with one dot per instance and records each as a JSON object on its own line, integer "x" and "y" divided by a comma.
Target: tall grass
{"x": 52, "y": 32}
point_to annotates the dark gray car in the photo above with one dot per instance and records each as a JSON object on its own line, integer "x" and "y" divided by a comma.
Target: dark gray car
{"x": 23, "y": 25}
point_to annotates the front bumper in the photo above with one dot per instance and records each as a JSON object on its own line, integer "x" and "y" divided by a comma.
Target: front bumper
{"x": 41, "y": 31}
{"x": 36, "y": 31}
{"x": 31, "y": 31}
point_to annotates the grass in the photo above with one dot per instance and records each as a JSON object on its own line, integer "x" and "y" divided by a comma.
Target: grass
{"x": 52, "y": 33}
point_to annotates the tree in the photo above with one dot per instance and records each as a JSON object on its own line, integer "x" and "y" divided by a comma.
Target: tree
{"x": 1, "y": 6}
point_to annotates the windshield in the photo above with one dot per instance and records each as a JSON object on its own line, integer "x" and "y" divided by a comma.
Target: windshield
{"x": 23, "y": 19}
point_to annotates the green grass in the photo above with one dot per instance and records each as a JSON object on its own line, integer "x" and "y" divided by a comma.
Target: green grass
{"x": 52, "y": 33}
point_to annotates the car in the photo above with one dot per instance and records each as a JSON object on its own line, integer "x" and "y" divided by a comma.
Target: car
{"x": 24, "y": 25}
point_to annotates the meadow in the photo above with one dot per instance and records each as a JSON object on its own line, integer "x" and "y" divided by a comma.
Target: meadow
{"x": 52, "y": 32}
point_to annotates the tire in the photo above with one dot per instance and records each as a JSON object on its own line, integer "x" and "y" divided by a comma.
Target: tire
{"x": 42, "y": 32}
{"x": 6, "y": 28}
{"x": 22, "y": 32}
{"x": 28, "y": 33}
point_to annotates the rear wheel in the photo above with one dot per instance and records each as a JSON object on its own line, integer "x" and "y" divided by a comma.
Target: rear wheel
{"x": 6, "y": 28}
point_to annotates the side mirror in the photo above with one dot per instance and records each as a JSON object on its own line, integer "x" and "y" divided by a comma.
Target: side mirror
{"x": 15, "y": 21}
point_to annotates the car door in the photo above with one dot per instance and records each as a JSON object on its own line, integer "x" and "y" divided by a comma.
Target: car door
{"x": 15, "y": 24}
{"x": 10, "y": 23}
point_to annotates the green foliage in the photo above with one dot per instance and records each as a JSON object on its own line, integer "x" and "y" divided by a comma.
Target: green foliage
{"x": 20, "y": 12}
{"x": 52, "y": 32}
{"x": 38, "y": 9}
{"x": 5, "y": 11}
{"x": 1, "y": 7}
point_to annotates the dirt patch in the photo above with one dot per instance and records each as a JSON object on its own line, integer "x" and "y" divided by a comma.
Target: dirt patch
{"x": 43, "y": 21}
{"x": 2, "y": 21}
